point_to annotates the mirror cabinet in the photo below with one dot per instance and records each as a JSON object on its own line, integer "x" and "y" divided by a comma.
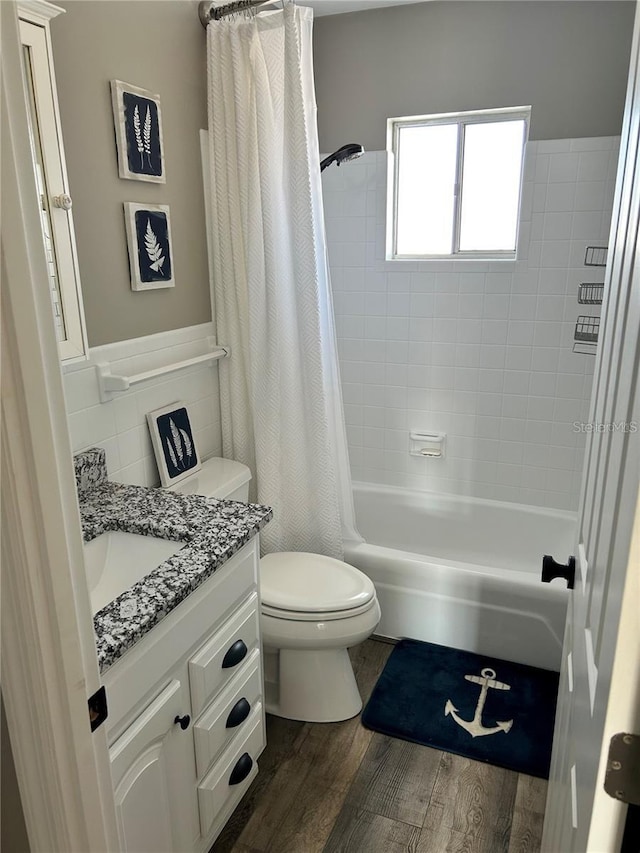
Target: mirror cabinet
{"x": 52, "y": 186}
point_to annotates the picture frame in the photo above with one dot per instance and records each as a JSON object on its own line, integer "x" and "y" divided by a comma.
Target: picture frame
{"x": 173, "y": 443}
{"x": 138, "y": 123}
{"x": 148, "y": 229}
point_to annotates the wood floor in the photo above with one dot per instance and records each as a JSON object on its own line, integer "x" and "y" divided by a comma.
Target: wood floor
{"x": 340, "y": 788}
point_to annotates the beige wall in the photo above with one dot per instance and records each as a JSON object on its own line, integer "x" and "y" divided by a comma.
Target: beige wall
{"x": 158, "y": 46}
{"x": 569, "y": 60}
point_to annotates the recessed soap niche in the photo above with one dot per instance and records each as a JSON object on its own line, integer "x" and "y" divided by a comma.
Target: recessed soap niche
{"x": 430, "y": 445}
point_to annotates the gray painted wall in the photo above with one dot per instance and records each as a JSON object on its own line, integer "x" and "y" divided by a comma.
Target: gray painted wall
{"x": 569, "y": 60}
{"x": 159, "y": 46}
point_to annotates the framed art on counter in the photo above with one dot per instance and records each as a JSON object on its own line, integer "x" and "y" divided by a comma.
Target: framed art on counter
{"x": 173, "y": 443}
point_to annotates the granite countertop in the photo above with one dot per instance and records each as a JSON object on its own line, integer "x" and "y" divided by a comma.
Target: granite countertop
{"x": 212, "y": 530}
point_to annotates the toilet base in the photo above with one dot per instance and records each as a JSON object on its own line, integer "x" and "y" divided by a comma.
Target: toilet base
{"x": 316, "y": 686}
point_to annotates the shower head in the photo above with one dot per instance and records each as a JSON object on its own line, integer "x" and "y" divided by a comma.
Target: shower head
{"x": 347, "y": 152}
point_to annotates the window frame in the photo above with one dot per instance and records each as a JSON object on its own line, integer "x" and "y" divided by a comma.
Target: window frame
{"x": 394, "y": 125}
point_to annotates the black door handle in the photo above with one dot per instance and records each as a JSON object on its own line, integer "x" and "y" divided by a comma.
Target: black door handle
{"x": 238, "y": 714}
{"x": 241, "y": 770}
{"x": 551, "y": 570}
{"x": 236, "y": 653}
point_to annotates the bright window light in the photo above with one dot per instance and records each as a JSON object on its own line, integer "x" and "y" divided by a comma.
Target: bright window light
{"x": 426, "y": 185}
{"x": 491, "y": 169}
{"x": 456, "y": 184}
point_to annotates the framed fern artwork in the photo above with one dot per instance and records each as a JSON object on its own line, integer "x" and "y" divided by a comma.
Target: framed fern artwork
{"x": 173, "y": 443}
{"x": 149, "y": 238}
{"x": 138, "y": 122}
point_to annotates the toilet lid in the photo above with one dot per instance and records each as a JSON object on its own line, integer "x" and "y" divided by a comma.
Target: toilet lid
{"x": 312, "y": 583}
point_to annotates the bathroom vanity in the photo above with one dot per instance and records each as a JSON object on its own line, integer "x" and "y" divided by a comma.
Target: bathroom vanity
{"x": 180, "y": 654}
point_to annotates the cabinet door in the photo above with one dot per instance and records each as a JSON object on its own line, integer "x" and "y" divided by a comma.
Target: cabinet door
{"x": 145, "y": 762}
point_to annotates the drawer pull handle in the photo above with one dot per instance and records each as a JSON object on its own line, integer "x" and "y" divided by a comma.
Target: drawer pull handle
{"x": 183, "y": 721}
{"x": 234, "y": 655}
{"x": 238, "y": 713}
{"x": 241, "y": 770}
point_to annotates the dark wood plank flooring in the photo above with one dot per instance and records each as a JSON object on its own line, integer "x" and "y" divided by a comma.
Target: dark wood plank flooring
{"x": 340, "y": 788}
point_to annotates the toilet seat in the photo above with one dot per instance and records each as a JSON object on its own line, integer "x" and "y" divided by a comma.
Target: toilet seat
{"x": 311, "y": 587}
{"x": 316, "y": 616}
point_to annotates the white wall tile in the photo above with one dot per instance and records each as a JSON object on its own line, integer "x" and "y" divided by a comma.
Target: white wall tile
{"x": 563, "y": 166}
{"x": 472, "y": 282}
{"x": 469, "y": 331}
{"x": 119, "y": 425}
{"x": 586, "y": 225}
{"x": 593, "y": 166}
{"x": 498, "y": 282}
{"x": 496, "y": 306}
{"x": 560, "y": 197}
{"x": 556, "y": 226}
{"x": 517, "y": 382}
{"x": 482, "y": 351}
{"x": 594, "y": 143}
{"x": 553, "y": 146}
{"x": 494, "y": 331}
{"x": 589, "y": 195}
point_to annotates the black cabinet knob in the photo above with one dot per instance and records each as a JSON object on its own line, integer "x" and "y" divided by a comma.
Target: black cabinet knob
{"x": 238, "y": 714}
{"x": 241, "y": 770}
{"x": 183, "y": 721}
{"x": 236, "y": 653}
{"x": 552, "y": 570}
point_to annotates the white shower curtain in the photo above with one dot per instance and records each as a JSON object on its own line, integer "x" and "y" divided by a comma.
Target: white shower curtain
{"x": 280, "y": 390}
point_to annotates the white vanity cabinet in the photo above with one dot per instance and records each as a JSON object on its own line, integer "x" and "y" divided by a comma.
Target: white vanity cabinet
{"x": 186, "y": 715}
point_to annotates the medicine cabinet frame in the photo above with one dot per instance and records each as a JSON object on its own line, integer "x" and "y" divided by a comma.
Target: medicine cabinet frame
{"x": 51, "y": 177}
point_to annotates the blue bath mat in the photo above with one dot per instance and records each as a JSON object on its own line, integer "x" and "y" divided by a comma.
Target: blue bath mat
{"x": 483, "y": 708}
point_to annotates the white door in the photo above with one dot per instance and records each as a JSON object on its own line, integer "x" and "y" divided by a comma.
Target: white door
{"x": 577, "y": 817}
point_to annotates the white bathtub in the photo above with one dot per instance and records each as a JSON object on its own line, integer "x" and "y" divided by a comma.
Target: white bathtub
{"x": 465, "y": 572}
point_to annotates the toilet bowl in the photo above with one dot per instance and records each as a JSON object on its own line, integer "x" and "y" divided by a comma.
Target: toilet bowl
{"x": 313, "y": 609}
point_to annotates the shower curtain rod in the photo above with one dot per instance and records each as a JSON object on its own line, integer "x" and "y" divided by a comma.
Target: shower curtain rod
{"x": 208, "y": 11}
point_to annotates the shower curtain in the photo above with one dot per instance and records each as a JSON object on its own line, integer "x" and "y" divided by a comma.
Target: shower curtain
{"x": 280, "y": 391}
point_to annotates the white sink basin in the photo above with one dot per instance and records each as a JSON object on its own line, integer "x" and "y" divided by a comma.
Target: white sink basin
{"x": 114, "y": 561}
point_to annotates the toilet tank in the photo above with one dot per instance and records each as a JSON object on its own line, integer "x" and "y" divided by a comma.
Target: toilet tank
{"x": 218, "y": 478}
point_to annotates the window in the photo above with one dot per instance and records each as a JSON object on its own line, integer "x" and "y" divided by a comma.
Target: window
{"x": 455, "y": 183}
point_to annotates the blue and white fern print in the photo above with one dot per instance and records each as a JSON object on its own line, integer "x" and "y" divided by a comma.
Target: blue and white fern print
{"x": 177, "y": 442}
{"x": 154, "y": 251}
{"x": 142, "y": 132}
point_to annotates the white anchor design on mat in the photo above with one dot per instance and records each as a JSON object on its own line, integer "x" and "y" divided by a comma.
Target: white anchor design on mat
{"x": 475, "y": 727}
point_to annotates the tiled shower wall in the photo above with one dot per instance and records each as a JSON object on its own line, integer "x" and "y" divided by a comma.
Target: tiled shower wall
{"x": 480, "y": 351}
{"x": 120, "y": 425}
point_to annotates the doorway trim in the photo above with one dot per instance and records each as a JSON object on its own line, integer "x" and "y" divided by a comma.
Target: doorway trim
{"x": 49, "y": 660}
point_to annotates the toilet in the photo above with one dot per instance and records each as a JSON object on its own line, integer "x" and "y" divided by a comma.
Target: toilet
{"x": 313, "y": 609}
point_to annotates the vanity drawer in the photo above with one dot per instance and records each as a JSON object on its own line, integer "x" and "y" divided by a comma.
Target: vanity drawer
{"x": 138, "y": 675}
{"x": 221, "y": 657}
{"x": 228, "y": 715}
{"x": 232, "y": 775}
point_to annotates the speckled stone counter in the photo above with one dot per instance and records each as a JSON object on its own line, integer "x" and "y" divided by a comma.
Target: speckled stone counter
{"x": 212, "y": 530}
